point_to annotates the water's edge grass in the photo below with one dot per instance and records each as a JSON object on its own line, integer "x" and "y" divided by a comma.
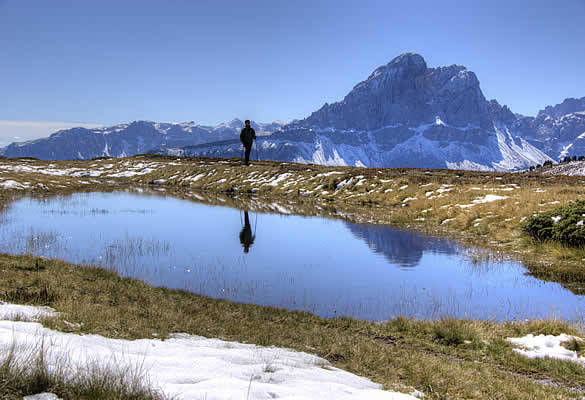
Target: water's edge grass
{"x": 449, "y": 358}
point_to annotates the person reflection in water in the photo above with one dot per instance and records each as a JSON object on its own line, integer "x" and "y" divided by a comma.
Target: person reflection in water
{"x": 246, "y": 236}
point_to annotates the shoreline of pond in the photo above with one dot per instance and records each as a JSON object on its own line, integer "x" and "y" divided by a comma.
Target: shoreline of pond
{"x": 379, "y": 196}
{"x": 494, "y": 274}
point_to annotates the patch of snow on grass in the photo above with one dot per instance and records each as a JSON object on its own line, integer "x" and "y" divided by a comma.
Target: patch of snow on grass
{"x": 10, "y": 184}
{"x": 195, "y": 178}
{"x": 343, "y": 183}
{"x": 192, "y": 367}
{"x": 274, "y": 181}
{"x": 24, "y": 313}
{"x": 444, "y": 189}
{"x": 481, "y": 200}
{"x": 542, "y": 346}
{"x": 328, "y": 173}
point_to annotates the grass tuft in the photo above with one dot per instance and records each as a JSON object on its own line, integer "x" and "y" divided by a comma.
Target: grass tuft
{"x": 26, "y": 371}
{"x": 30, "y": 295}
{"x": 450, "y": 332}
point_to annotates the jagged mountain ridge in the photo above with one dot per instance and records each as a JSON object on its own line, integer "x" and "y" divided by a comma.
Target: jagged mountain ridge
{"x": 557, "y": 130}
{"x": 403, "y": 115}
{"x": 128, "y": 139}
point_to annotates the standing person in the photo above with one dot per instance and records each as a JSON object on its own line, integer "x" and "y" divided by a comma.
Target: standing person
{"x": 247, "y": 136}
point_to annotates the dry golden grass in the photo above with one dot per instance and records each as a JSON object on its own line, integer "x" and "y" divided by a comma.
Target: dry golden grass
{"x": 457, "y": 359}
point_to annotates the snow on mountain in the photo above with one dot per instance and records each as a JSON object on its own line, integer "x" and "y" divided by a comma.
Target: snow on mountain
{"x": 128, "y": 139}
{"x": 557, "y": 130}
{"x": 403, "y": 115}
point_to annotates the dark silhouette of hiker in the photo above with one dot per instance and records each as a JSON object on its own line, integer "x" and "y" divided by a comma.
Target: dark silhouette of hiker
{"x": 246, "y": 236}
{"x": 247, "y": 137}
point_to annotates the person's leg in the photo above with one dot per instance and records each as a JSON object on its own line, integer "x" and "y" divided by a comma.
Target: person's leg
{"x": 248, "y": 149}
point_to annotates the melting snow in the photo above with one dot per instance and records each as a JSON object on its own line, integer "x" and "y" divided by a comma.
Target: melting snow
{"x": 487, "y": 199}
{"x": 193, "y": 367}
{"x": 328, "y": 173}
{"x": 10, "y": 184}
{"x": 542, "y": 346}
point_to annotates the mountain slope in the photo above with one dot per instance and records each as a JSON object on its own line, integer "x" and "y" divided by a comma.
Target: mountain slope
{"x": 127, "y": 139}
{"x": 557, "y": 130}
{"x": 404, "y": 115}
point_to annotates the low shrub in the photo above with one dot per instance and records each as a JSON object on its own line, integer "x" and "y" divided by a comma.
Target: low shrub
{"x": 565, "y": 225}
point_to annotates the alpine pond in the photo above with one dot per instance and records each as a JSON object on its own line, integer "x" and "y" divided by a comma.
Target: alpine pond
{"x": 326, "y": 266}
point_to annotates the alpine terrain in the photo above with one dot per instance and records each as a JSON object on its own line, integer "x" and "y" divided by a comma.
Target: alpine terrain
{"x": 404, "y": 115}
{"x": 128, "y": 139}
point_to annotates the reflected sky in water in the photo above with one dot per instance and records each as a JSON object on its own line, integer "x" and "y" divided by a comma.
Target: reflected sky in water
{"x": 329, "y": 267}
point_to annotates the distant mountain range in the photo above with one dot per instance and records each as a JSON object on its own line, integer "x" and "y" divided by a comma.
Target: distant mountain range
{"x": 403, "y": 115}
{"x": 128, "y": 139}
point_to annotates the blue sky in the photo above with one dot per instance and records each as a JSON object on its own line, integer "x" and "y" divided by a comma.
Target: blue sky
{"x": 107, "y": 62}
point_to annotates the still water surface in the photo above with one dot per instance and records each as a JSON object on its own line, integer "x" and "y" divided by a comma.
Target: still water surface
{"x": 329, "y": 267}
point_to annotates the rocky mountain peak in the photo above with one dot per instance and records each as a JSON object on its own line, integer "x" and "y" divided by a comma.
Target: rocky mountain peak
{"x": 405, "y": 66}
{"x": 568, "y": 106}
{"x": 405, "y": 91}
{"x": 236, "y": 123}
{"x": 409, "y": 62}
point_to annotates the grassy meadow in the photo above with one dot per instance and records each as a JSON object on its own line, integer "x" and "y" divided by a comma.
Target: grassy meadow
{"x": 449, "y": 358}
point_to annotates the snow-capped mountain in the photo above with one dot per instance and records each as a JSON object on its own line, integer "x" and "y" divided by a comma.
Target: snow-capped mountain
{"x": 403, "y": 115}
{"x": 128, "y": 139}
{"x": 557, "y": 130}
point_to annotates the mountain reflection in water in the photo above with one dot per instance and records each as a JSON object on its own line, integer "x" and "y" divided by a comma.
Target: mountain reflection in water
{"x": 403, "y": 248}
{"x": 326, "y": 266}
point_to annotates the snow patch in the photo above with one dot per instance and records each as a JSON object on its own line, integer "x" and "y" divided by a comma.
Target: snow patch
{"x": 193, "y": 367}
{"x": 542, "y": 346}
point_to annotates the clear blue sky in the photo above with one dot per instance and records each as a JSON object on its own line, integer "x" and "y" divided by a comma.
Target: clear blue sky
{"x": 107, "y": 62}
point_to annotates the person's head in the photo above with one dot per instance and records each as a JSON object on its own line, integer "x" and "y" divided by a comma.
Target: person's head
{"x": 247, "y": 122}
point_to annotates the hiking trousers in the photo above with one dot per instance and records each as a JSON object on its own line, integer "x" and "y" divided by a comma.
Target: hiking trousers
{"x": 247, "y": 151}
